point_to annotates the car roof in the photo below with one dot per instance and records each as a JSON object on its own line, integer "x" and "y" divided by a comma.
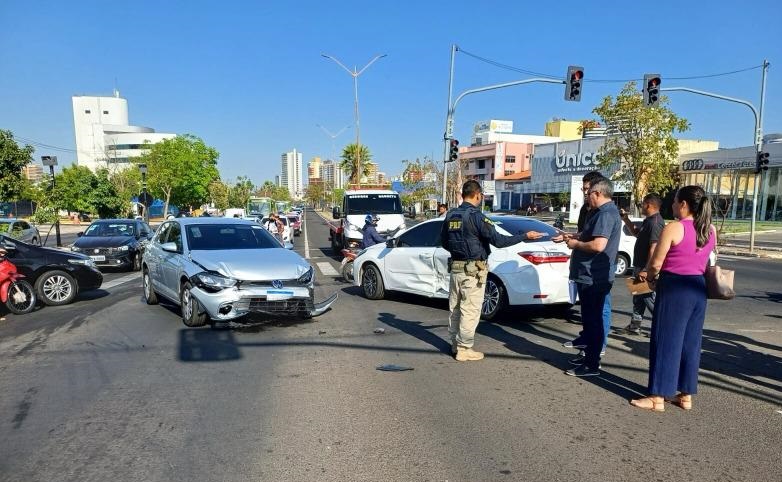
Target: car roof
{"x": 212, "y": 220}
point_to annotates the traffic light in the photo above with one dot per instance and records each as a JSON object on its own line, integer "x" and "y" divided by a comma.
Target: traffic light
{"x": 651, "y": 89}
{"x": 454, "y": 153}
{"x": 573, "y": 81}
{"x": 761, "y": 163}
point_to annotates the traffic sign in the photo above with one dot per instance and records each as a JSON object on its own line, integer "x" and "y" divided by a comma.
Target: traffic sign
{"x": 146, "y": 199}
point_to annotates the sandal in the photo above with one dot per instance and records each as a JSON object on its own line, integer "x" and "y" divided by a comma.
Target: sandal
{"x": 683, "y": 401}
{"x": 655, "y": 404}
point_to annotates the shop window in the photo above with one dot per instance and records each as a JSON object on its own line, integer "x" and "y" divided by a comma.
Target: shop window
{"x": 508, "y": 173}
{"x": 482, "y": 164}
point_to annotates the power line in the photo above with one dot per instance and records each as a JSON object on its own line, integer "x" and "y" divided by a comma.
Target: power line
{"x": 540, "y": 74}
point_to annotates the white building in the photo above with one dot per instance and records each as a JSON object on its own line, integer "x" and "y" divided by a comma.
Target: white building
{"x": 290, "y": 173}
{"x": 103, "y": 136}
{"x": 332, "y": 174}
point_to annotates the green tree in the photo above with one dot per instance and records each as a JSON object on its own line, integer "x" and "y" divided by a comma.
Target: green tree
{"x": 180, "y": 170}
{"x": 315, "y": 193}
{"x": 350, "y": 162}
{"x": 12, "y": 160}
{"x": 412, "y": 179}
{"x": 126, "y": 182}
{"x": 73, "y": 189}
{"x": 104, "y": 197}
{"x": 239, "y": 194}
{"x": 218, "y": 194}
{"x": 281, "y": 193}
{"x": 643, "y": 142}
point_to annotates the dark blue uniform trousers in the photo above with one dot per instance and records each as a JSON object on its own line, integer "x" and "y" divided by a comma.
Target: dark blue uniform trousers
{"x": 677, "y": 331}
{"x": 593, "y": 301}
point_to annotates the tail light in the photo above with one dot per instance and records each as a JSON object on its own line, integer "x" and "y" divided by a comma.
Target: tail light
{"x": 543, "y": 257}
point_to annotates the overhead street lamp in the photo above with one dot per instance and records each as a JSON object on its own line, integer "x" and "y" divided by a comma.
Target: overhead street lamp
{"x": 355, "y": 73}
{"x": 51, "y": 161}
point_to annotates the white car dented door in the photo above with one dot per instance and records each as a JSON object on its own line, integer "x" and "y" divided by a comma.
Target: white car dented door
{"x": 410, "y": 265}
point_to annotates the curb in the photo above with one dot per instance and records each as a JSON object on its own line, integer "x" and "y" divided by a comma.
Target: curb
{"x": 746, "y": 254}
{"x": 761, "y": 248}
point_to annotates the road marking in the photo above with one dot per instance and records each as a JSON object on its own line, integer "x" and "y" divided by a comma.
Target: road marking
{"x": 327, "y": 269}
{"x": 306, "y": 243}
{"x": 119, "y": 281}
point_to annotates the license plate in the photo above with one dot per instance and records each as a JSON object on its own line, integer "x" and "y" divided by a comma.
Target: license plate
{"x": 98, "y": 258}
{"x": 277, "y": 295}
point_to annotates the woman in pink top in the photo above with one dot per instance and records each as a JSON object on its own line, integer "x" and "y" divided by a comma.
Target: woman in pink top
{"x": 676, "y": 273}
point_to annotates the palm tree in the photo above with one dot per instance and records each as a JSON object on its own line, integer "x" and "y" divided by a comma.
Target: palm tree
{"x": 350, "y": 162}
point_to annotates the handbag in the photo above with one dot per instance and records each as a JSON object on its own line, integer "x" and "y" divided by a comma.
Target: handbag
{"x": 719, "y": 283}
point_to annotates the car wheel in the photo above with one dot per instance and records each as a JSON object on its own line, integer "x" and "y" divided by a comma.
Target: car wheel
{"x": 56, "y": 288}
{"x": 494, "y": 299}
{"x": 149, "y": 291}
{"x": 347, "y": 272}
{"x": 190, "y": 306}
{"x": 334, "y": 247}
{"x": 372, "y": 283}
{"x": 622, "y": 264}
{"x": 136, "y": 262}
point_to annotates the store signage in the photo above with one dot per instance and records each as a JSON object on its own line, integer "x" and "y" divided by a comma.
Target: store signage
{"x": 583, "y": 161}
{"x": 701, "y": 165}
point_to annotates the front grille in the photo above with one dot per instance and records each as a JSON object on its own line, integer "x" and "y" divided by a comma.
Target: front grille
{"x": 260, "y": 304}
{"x": 286, "y": 283}
{"x": 92, "y": 251}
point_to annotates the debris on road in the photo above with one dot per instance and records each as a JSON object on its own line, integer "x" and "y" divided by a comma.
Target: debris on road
{"x": 380, "y": 331}
{"x": 393, "y": 368}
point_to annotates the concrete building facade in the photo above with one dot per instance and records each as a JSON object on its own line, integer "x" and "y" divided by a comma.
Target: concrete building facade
{"x": 290, "y": 173}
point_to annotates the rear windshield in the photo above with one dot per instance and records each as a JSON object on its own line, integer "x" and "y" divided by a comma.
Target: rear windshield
{"x": 519, "y": 225}
{"x": 209, "y": 237}
{"x": 373, "y": 203}
{"x": 293, "y": 219}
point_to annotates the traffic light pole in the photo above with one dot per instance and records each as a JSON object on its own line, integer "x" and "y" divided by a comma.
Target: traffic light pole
{"x": 57, "y": 212}
{"x": 454, "y": 48}
{"x": 758, "y": 140}
{"x": 452, "y": 107}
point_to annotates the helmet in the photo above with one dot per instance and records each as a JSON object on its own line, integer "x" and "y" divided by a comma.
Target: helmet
{"x": 370, "y": 219}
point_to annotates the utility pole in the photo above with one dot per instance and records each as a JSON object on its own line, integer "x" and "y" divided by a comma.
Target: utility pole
{"x": 51, "y": 161}
{"x": 448, "y": 128}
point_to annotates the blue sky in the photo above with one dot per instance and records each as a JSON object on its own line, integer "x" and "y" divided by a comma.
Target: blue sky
{"x": 248, "y": 77}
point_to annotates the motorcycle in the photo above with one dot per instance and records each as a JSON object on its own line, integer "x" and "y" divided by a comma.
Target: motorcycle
{"x": 349, "y": 255}
{"x": 560, "y": 222}
{"x": 16, "y": 293}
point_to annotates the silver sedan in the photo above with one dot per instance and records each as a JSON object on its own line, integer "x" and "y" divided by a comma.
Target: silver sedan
{"x": 21, "y": 230}
{"x": 225, "y": 268}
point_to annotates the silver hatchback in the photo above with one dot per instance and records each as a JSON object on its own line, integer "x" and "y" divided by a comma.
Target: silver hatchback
{"x": 225, "y": 268}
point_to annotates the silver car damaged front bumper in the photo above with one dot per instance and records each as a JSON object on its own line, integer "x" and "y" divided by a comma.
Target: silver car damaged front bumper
{"x": 232, "y": 303}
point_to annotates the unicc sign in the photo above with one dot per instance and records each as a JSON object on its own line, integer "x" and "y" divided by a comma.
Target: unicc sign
{"x": 583, "y": 161}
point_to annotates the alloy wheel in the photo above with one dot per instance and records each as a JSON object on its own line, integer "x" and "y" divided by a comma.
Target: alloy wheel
{"x": 370, "y": 282}
{"x": 187, "y": 304}
{"x": 491, "y": 297}
{"x": 57, "y": 288}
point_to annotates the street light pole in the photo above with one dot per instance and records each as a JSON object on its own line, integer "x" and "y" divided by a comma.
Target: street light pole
{"x": 355, "y": 74}
{"x": 143, "y": 169}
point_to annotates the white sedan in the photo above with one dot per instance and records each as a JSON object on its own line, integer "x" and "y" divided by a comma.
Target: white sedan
{"x": 528, "y": 273}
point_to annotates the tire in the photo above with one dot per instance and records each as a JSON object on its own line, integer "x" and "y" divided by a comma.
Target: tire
{"x": 189, "y": 305}
{"x": 136, "y": 266}
{"x": 347, "y": 272}
{"x": 23, "y": 306}
{"x": 334, "y": 247}
{"x": 149, "y": 290}
{"x": 494, "y": 299}
{"x": 622, "y": 264}
{"x": 372, "y": 283}
{"x": 56, "y": 288}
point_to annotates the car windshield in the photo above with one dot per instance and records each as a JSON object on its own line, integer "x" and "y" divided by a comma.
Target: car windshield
{"x": 111, "y": 229}
{"x": 373, "y": 203}
{"x": 210, "y": 237}
{"x": 519, "y": 225}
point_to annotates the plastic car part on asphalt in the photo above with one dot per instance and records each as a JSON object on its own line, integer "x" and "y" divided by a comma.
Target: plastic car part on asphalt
{"x": 394, "y": 368}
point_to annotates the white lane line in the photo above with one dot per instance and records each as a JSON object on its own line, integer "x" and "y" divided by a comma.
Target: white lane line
{"x": 327, "y": 269}
{"x": 306, "y": 242}
{"x": 119, "y": 281}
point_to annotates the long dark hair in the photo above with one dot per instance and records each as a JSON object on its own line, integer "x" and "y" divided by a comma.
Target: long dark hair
{"x": 700, "y": 207}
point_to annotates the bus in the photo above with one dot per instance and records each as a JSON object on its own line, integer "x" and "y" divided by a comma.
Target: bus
{"x": 260, "y": 206}
{"x": 283, "y": 206}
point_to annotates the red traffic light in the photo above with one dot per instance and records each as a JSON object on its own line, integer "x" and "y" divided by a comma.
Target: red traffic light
{"x": 454, "y": 144}
{"x": 577, "y": 75}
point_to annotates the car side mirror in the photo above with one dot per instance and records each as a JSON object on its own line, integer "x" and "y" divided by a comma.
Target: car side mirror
{"x": 169, "y": 247}
{"x": 80, "y": 234}
{"x": 390, "y": 243}
{"x": 335, "y": 213}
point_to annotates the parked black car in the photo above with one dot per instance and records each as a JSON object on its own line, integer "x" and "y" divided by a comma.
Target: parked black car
{"x": 58, "y": 276}
{"x": 115, "y": 243}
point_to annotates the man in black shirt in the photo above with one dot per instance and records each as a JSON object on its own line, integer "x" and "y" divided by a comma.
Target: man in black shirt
{"x": 647, "y": 236}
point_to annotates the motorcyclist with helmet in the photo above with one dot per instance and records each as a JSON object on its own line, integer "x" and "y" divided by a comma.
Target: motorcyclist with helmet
{"x": 371, "y": 236}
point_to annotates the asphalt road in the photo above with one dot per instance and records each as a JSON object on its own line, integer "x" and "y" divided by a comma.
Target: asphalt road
{"x": 109, "y": 388}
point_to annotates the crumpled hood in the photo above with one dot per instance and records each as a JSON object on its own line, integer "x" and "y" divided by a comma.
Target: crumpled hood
{"x": 253, "y": 264}
{"x": 87, "y": 242}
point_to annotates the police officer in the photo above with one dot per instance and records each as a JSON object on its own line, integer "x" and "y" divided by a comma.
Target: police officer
{"x": 467, "y": 234}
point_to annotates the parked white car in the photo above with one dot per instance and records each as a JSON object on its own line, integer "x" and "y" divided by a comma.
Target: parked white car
{"x": 413, "y": 261}
{"x": 287, "y": 232}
